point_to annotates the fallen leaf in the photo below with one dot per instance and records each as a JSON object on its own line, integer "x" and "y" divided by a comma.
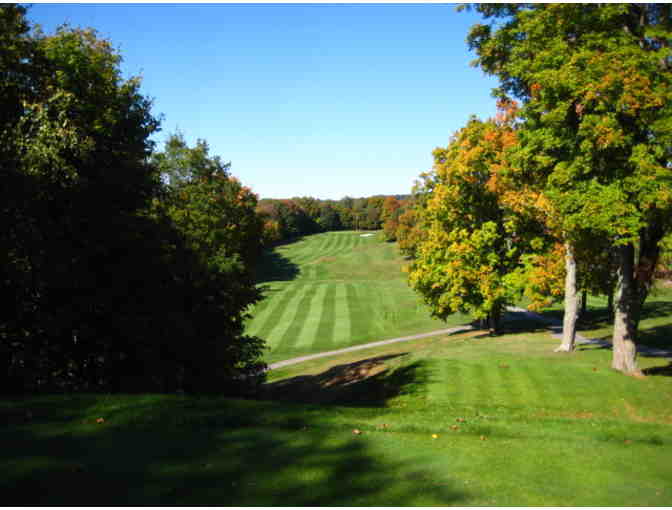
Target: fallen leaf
{"x": 483, "y": 438}
{"x": 435, "y": 436}
{"x": 356, "y": 432}
{"x": 100, "y": 420}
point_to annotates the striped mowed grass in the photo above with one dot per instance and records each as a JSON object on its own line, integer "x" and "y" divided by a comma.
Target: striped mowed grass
{"x": 505, "y": 419}
{"x": 333, "y": 290}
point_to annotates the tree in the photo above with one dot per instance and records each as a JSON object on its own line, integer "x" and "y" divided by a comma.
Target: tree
{"x": 466, "y": 260}
{"x": 114, "y": 288}
{"x": 390, "y": 218}
{"x": 219, "y": 241}
{"x": 328, "y": 218}
{"x": 75, "y": 142}
{"x": 412, "y": 229}
{"x": 596, "y": 85}
{"x": 211, "y": 207}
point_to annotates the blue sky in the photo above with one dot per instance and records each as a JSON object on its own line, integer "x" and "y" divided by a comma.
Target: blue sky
{"x": 305, "y": 100}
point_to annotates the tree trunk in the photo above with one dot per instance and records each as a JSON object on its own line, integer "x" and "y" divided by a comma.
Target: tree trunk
{"x": 624, "y": 356}
{"x": 584, "y": 303}
{"x": 494, "y": 319}
{"x": 649, "y": 254}
{"x": 610, "y": 303}
{"x": 571, "y": 302}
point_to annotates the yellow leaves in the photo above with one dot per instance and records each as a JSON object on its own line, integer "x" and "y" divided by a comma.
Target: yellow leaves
{"x": 491, "y": 184}
{"x": 607, "y": 135}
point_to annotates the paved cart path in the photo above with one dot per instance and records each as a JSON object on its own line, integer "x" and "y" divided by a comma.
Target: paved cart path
{"x": 555, "y": 327}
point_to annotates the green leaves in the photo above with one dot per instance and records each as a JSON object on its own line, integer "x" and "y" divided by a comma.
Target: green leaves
{"x": 119, "y": 282}
{"x": 463, "y": 262}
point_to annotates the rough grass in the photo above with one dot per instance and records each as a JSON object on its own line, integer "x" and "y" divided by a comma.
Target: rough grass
{"x": 515, "y": 425}
{"x": 334, "y": 290}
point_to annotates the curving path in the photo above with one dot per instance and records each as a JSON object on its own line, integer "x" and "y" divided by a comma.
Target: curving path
{"x": 556, "y": 332}
{"x": 292, "y": 361}
{"x": 555, "y": 329}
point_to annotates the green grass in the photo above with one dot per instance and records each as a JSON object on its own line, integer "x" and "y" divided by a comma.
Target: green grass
{"x": 516, "y": 423}
{"x": 334, "y": 290}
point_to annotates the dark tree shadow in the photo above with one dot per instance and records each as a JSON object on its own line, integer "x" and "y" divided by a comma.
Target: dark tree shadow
{"x": 368, "y": 382}
{"x": 275, "y": 267}
{"x": 519, "y": 322}
{"x": 659, "y": 337}
{"x": 595, "y": 318}
{"x": 665, "y": 370}
{"x": 656, "y": 309}
{"x": 200, "y": 451}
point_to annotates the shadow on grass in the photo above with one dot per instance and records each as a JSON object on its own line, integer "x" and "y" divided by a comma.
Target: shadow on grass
{"x": 595, "y": 318}
{"x": 516, "y": 322}
{"x": 200, "y": 451}
{"x": 665, "y": 370}
{"x": 275, "y": 267}
{"x": 367, "y": 382}
{"x": 659, "y": 337}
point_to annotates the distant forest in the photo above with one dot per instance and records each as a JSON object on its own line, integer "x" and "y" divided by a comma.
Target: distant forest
{"x": 285, "y": 219}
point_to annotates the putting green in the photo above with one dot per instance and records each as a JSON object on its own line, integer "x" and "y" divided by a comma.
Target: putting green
{"x": 334, "y": 290}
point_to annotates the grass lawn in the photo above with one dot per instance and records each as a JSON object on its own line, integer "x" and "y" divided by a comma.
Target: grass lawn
{"x": 466, "y": 420}
{"x": 333, "y": 290}
{"x": 515, "y": 424}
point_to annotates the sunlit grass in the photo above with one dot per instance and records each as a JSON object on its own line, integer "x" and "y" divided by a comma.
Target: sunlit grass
{"x": 515, "y": 425}
{"x": 334, "y": 290}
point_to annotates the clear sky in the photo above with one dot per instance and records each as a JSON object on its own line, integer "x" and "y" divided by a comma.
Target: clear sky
{"x": 304, "y": 100}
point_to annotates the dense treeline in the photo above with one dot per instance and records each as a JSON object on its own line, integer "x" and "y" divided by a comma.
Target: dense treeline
{"x": 123, "y": 268}
{"x": 579, "y": 171}
{"x": 286, "y": 219}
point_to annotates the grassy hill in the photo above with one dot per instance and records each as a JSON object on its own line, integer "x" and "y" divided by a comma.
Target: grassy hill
{"x": 466, "y": 419}
{"x": 450, "y": 420}
{"x": 333, "y": 290}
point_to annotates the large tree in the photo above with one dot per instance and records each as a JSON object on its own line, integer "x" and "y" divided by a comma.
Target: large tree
{"x": 473, "y": 242}
{"x": 219, "y": 237}
{"x": 596, "y": 85}
{"x": 111, "y": 290}
{"x": 75, "y": 142}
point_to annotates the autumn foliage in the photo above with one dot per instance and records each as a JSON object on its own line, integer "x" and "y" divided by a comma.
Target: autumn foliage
{"x": 475, "y": 242}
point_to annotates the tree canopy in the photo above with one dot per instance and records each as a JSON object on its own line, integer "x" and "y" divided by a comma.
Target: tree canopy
{"x": 121, "y": 282}
{"x": 596, "y": 85}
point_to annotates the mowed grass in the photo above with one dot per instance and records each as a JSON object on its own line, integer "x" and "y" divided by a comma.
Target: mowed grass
{"x": 515, "y": 425}
{"x": 334, "y": 290}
